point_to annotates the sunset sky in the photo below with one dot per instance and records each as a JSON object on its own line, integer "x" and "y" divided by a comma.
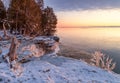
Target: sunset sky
{"x": 76, "y": 13}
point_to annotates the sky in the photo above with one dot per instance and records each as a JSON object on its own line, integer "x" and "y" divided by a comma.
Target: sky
{"x": 76, "y": 13}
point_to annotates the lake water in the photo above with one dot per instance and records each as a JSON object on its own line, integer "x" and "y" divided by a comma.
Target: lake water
{"x": 104, "y": 39}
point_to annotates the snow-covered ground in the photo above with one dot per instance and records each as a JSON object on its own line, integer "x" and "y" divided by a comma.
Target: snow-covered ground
{"x": 51, "y": 69}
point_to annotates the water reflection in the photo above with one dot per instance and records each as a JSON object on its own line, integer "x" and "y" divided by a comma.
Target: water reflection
{"x": 91, "y": 37}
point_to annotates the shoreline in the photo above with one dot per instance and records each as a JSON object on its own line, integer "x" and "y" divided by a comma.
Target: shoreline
{"x": 68, "y": 51}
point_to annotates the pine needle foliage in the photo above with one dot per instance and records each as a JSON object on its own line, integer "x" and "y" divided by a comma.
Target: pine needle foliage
{"x": 26, "y": 16}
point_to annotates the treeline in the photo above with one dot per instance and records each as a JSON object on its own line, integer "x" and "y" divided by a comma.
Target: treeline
{"x": 28, "y": 17}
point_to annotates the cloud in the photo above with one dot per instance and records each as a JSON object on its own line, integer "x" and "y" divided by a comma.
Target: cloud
{"x": 61, "y": 5}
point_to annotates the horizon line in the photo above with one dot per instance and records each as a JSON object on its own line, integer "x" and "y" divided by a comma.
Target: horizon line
{"x": 86, "y": 26}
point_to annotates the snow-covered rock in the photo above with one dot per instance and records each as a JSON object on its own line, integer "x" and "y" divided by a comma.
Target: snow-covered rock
{"x": 49, "y": 69}
{"x": 30, "y": 47}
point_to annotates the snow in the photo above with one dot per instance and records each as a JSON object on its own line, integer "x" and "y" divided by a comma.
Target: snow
{"x": 34, "y": 50}
{"x": 49, "y": 68}
{"x": 6, "y": 3}
{"x": 58, "y": 69}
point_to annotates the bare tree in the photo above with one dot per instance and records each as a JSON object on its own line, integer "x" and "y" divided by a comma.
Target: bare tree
{"x": 100, "y": 60}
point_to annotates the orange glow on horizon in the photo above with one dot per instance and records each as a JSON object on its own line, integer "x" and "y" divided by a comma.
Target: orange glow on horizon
{"x": 99, "y": 17}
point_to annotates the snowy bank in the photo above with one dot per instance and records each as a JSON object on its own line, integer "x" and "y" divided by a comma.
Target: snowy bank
{"x": 49, "y": 69}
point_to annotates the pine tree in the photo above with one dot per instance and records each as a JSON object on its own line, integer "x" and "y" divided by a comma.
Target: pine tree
{"x": 2, "y": 14}
{"x": 49, "y": 22}
{"x": 41, "y": 4}
{"x": 26, "y": 16}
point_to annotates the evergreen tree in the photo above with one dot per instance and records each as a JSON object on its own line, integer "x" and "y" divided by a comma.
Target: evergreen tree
{"x": 2, "y": 14}
{"x": 26, "y": 16}
{"x": 41, "y": 4}
{"x": 49, "y": 22}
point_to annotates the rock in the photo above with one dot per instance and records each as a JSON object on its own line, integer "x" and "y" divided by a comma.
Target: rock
{"x": 55, "y": 38}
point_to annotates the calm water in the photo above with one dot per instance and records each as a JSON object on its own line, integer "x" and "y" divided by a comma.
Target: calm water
{"x": 106, "y": 40}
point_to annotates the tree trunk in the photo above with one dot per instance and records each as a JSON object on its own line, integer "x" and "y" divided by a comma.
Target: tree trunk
{"x": 12, "y": 51}
{"x": 0, "y": 38}
{"x": 4, "y": 28}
